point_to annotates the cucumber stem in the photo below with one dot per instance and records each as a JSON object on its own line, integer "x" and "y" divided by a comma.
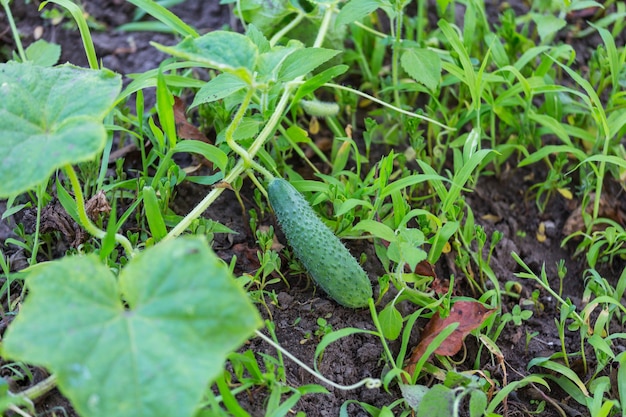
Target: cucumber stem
{"x": 294, "y": 23}
{"x": 40, "y": 389}
{"x": 370, "y": 383}
{"x": 230, "y": 130}
{"x": 85, "y": 221}
{"x": 391, "y": 106}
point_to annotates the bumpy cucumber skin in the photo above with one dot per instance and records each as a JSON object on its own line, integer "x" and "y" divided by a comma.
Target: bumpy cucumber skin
{"x": 328, "y": 261}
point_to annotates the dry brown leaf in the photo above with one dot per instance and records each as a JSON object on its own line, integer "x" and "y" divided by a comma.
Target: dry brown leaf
{"x": 469, "y": 314}
{"x": 97, "y": 205}
{"x": 184, "y": 129}
{"x": 608, "y": 209}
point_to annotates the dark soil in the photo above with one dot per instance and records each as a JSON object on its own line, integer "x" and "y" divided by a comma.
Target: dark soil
{"x": 499, "y": 203}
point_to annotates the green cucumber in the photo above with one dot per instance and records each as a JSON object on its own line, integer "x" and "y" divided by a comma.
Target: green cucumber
{"x": 328, "y": 261}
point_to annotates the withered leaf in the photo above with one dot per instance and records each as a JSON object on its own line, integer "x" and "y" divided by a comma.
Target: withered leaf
{"x": 469, "y": 314}
{"x": 424, "y": 268}
{"x": 184, "y": 129}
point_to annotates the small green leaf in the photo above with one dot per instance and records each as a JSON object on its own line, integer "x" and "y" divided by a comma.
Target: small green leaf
{"x": 303, "y": 61}
{"x": 218, "y": 88}
{"x": 247, "y": 129}
{"x": 225, "y": 51}
{"x": 43, "y": 53}
{"x": 423, "y": 65}
{"x": 560, "y": 369}
{"x": 377, "y": 229}
{"x": 145, "y": 344}
{"x": 153, "y": 214}
{"x": 390, "y": 322}
{"x": 346, "y": 206}
{"x": 356, "y": 10}
{"x": 407, "y": 247}
{"x": 318, "y": 80}
{"x": 264, "y": 14}
{"x": 258, "y": 38}
{"x": 165, "y": 16}
{"x": 438, "y": 402}
{"x": 210, "y": 152}
{"x": 478, "y": 403}
{"x": 165, "y": 109}
{"x": 269, "y": 63}
{"x": 548, "y": 25}
{"x": 50, "y": 117}
{"x": 413, "y": 394}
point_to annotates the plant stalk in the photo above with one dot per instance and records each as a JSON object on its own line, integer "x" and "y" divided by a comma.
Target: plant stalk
{"x": 16, "y": 34}
{"x": 40, "y": 389}
{"x": 86, "y": 222}
{"x": 390, "y": 106}
{"x": 368, "y": 382}
{"x": 282, "y": 32}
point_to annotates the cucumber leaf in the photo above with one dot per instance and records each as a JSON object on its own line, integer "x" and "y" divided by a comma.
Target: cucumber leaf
{"x": 50, "y": 117}
{"x": 113, "y": 342}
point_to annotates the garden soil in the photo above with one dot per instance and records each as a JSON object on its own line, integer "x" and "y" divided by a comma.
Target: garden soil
{"x": 501, "y": 202}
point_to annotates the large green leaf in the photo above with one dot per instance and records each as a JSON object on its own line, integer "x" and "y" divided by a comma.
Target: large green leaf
{"x": 50, "y": 117}
{"x": 146, "y": 344}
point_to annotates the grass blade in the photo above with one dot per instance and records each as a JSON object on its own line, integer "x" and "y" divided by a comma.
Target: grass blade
{"x": 165, "y": 16}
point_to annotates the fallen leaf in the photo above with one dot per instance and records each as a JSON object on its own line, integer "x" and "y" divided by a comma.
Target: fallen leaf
{"x": 469, "y": 314}
{"x": 541, "y": 233}
{"x": 96, "y": 205}
{"x": 439, "y": 287}
{"x": 608, "y": 209}
{"x": 184, "y": 129}
{"x": 276, "y": 245}
{"x": 55, "y": 218}
{"x": 492, "y": 218}
{"x": 424, "y": 268}
{"x": 566, "y": 193}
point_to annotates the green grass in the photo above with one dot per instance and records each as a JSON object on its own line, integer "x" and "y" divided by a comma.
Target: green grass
{"x": 419, "y": 112}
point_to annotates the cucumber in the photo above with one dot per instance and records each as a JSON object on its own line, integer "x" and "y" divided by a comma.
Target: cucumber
{"x": 327, "y": 260}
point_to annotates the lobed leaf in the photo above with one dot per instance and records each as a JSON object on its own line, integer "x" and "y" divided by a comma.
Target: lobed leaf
{"x": 113, "y": 342}
{"x": 50, "y": 117}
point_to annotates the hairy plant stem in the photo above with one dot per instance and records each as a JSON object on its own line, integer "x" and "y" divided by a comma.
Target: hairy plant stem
{"x": 40, "y": 389}
{"x": 282, "y": 32}
{"x": 230, "y": 131}
{"x": 368, "y": 382}
{"x": 85, "y": 221}
{"x": 390, "y": 106}
{"x": 374, "y": 315}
